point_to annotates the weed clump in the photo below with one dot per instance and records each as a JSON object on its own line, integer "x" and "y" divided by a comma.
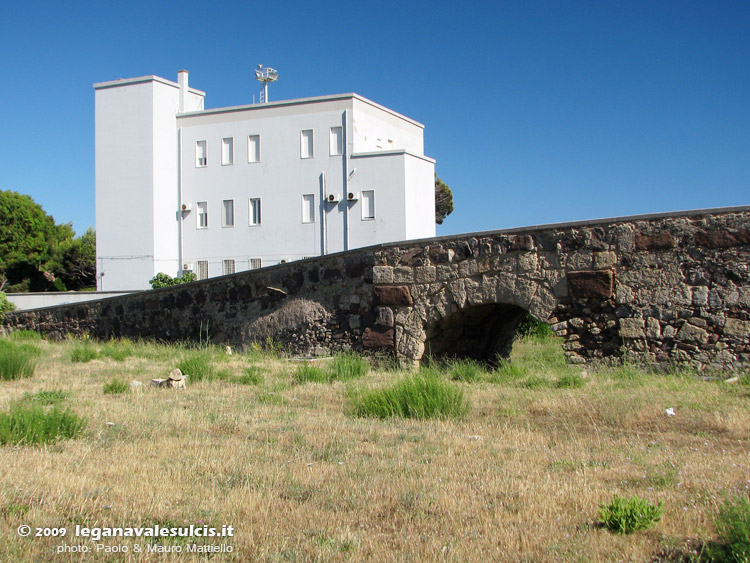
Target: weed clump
{"x": 83, "y": 353}
{"x": 17, "y": 361}
{"x": 250, "y": 376}
{"x": 570, "y": 381}
{"x": 46, "y": 398}
{"x": 628, "y": 515}
{"x": 421, "y": 396}
{"x": 25, "y": 335}
{"x": 347, "y": 365}
{"x": 733, "y": 528}
{"x": 465, "y": 370}
{"x": 32, "y": 425}
{"x": 308, "y": 373}
{"x": 198, "y": 366}
{"x": 116, "y": 387}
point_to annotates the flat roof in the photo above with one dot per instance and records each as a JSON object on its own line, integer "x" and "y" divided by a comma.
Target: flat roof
{"x": 299, "y": 102}
{"x": 141, "y": 80}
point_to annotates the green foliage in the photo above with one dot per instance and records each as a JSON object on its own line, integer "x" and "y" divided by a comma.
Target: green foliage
{"x": 17, "y": 361}
{"x": 116, "y": 387}
{"x": 163, "y": 280}
{"x": 348, "y": 365}
{"x": 508, "y": 372}
{"x": 421, "y": 396}
{"x": 250, "y": 376}
{"x": 46, "y": 398}
{"x": 116, "y": 350}
{"x": 83, "y": 353}
{"x": 198, "y": 366}
{"x": 309, "y": 373}
{"x": 535, "y": 382}
{"x": 5, "y": 305}
{"x": 733, "y": 530}
{"x": 570, "y": 381}
{"x": 25, "y": 335}
{"x": 76, "y": 262}
{"x": 628, "y": 515}
{"x": 32, "y": 424}
{"x": 465, "y": 370}
{"x": 530, "y": 326}
{"x": 443, "y": 201}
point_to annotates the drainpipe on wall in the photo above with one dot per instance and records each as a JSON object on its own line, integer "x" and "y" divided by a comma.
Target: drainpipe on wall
{"x": 180, "y": 213}
{"x": 344, "y": 197}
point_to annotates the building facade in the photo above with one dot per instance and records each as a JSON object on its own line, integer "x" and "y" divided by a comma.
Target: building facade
{"x": 180, "y": 188}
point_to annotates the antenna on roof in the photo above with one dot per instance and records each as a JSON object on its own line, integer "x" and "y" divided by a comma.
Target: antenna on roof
{"x": 265, "y": 74}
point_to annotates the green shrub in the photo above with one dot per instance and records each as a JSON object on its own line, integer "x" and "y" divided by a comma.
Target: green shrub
{"x": 308, "y": 373}
{"x": 83, "y": 353}
{"x": 570, "y": 381}
{"x": 17, "y": 361}
{"x": 250, "y": 376}
{"x": 465, "y": 370}
{"x": 32, "y": 424}
{"x": 347, "y": 365}
{"x": 628, "y": 515}
{"x": 420, "y": 396}
{"x": 25, "y": 335}
{"x": 116, "y": 387}
{"x": 5, "y": 305}
{"x": 46, "y": 398}
{"x": 531, "y": 327}
{"x": 733, "y": 530}
{"x": 198, "y": 366}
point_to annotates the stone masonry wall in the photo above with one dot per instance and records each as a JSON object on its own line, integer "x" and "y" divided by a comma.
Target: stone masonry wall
{"x": 665, "y": 288}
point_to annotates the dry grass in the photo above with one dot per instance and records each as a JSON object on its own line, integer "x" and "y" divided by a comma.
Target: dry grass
{"x": 518, "y": 478}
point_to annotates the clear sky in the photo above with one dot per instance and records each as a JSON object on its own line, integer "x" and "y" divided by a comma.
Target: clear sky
{"x": 536, "y": 112}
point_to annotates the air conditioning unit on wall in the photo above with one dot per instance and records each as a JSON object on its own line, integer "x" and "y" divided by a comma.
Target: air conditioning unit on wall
{"x": 352, "y": 196}
{"x": 333, "y": 198}
{"x": 187, "y": 207}
{"x": 187, "y": 267}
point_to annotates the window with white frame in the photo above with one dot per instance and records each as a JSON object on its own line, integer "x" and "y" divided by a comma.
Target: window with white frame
{"x": 227, "y": 215}
{"x": 200, "y": 154}
{"x": 306, "y": 144}
{"x": 202, "y": 214}
{"x": 228, "y": 267}
{"x": 368, "y": 205}
{"x": 255, "y": 263}
{"x": 202, "y": 269}
{"x": 253, "y": 148}
{"x": 308, "y": 208}
{"x": 336, "y": 141}
{"x": 254, "y": 211}
{"x": 227, "y": 151}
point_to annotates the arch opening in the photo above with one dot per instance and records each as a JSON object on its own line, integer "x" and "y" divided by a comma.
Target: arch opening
{"x": 484, "y": 333}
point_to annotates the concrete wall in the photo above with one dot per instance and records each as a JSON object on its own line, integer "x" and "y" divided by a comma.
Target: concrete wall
{"x": 26, "y": 301}
{"x": 664, "y": 289}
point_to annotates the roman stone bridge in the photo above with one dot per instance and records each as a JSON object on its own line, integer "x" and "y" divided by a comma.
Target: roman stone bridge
{"x": 662, "y": 288}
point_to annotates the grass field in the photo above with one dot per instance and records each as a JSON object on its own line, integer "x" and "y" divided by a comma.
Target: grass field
{"x": 513, "y": 466}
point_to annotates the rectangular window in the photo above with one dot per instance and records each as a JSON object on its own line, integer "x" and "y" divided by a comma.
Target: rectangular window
{"x": 227, "y": 216}
{"x": 200, "y": 154}
{"x": 202, "y": 214}
{"x": 227, "y": 151}
{"x": 253, "y": 148}
{"x": 306, "y": 144}
{"x": 202, "y": 269}
{"x": 254, "y": 211}
{"x": 228, "y": 267}
{"x": 255, "y": 263}
{"x": 336, "y": 141}
{"x": 368, "y": 205}
{"x": 308, "y": 208}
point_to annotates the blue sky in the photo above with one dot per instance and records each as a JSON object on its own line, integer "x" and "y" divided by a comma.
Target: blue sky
{"x": 536, "y": 112}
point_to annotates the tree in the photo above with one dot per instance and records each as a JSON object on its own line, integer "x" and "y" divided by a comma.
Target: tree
{"x": 35, "y": 253}
{"x": 443, "y": 201}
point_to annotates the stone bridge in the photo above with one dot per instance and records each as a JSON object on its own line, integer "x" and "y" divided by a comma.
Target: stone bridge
{"x": 664, "y": 288}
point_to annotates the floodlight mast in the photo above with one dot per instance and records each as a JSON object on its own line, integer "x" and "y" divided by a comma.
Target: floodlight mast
{"x": 265, "y": 74}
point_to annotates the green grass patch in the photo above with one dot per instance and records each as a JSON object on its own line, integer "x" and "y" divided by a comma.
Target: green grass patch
{"x": 83, "y": 353}
{"x": 198, "y": 366}
{"x": 309, "y": 373}
{"x": 628, "y": 515}
{"x": 250, "y": 376}
{"x": 536, "y": 382}
{"x": 733, "y": 531}
{"x": 116, "y": 387}
{"x": 347, "y": 365}
{"x": 27, "y": 424}
{"x": 116, "y": 350}
{"x": 570, "y": 381}
{"x": 508, "y": 372}
{"x": 17, "y": 361}
{"x": 46, "y": 398}
{"x": 466, "y": 370}
{"x": 420, "y": 396}
{"x": 25, "y": 335}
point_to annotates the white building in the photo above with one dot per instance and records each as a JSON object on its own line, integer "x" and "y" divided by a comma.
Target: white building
{"x": 223, "y": 190}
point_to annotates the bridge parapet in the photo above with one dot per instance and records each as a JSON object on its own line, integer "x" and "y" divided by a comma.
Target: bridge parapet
{"x": 665, "y": 288}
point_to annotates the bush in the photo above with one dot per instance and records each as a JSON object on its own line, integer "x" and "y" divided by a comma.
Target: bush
{"x": 32, "y": 424}
{"x": 308, "y": 373}
{"x": 628, "y": 515}
{"x": 116, "y": 387}
{"x": 198, "y": 366}
{"x": 17, "y": 361}
{"x": 531, "y": 327}
{"x": 83, "y": 353}
{"x": 733, "y": 529}
{"x": 420, "y": 396}
{"x": 5, "y": 305}
{"x": 465, "y": 370}
{"x": 347, "y": 365}
{"x": 164, "y": 280}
